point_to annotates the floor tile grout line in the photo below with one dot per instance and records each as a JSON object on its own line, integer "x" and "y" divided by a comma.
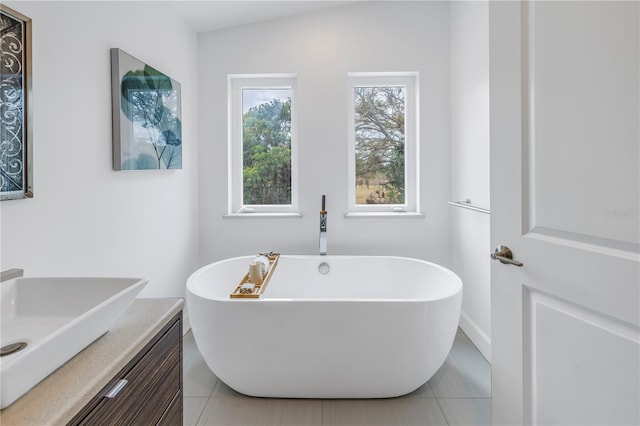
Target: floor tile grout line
{"x": 442, "y": 411}
{"x": 199, "y": 416}
{"x": 464, "y": 397}
{"x": 323, "y": 401}
{"x": 202, "y": 412}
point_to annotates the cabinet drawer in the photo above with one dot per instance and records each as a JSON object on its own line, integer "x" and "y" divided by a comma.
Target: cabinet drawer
{"x": 173, "y": 415}
{"x": 153, "y": 381}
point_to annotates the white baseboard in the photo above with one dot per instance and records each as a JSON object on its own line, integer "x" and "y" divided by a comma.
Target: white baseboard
{"x": 477, "y": 336}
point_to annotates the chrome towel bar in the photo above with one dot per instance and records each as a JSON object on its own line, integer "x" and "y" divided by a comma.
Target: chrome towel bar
{"x": 467, "y": 205}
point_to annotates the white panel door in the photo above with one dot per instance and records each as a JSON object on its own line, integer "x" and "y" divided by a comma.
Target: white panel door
{"x": 565, "y": 188}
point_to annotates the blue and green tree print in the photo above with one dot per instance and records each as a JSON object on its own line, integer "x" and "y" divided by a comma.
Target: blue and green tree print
{"x": 151, "y": 102}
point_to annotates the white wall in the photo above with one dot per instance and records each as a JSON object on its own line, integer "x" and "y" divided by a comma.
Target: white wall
{"x": 470, "y": 165}
{"x": 86, "y": 219}
{"x": 321, "y": 48}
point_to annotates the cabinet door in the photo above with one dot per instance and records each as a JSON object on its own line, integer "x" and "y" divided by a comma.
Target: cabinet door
{"x": 153, "y": 384}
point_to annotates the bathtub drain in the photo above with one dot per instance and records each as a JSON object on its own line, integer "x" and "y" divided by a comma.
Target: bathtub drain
{"x": 12, "y": 348}
{"x": 324, "y": 268}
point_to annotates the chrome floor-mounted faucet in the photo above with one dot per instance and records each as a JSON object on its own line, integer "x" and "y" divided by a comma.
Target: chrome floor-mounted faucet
{"x": 323, "y": 228}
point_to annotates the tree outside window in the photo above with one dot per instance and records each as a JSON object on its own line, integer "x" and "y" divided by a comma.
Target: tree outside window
{"x": 266, "y": 146}
{"x": 380, "y": 144}
{"x": 383, "y": 143}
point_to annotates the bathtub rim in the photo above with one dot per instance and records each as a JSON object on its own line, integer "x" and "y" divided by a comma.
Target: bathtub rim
{"x": 456, "y": 281}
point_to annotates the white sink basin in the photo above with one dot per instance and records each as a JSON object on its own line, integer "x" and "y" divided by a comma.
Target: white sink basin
{"x": 56, "y": 318}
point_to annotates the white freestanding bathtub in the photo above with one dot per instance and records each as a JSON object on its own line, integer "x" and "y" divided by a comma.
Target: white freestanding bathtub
{"x": 372, "y": 327}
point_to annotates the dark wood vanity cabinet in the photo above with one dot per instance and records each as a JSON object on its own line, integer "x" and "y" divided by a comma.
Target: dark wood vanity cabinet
{"x": 152, "y": 394}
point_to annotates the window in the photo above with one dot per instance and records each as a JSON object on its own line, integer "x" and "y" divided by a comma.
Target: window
{"x": 383, "y": 148}
{"x": 262, "y": 144}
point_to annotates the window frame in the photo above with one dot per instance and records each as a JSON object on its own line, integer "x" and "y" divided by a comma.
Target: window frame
{"x": 412, "y": 147}
{"x": 235, "y": 85}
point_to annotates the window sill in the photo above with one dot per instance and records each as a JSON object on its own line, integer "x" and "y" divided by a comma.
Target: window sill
{"x": 405, "y": 215}
{"x": 261, "y": 215}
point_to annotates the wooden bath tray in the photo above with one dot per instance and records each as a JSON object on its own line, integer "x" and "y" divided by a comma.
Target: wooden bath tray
{"x": 259, "y": 288}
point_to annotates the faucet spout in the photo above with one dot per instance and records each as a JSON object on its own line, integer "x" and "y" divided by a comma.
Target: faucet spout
{"x": 323, "y": 243}
{"x": 323, "y": 228}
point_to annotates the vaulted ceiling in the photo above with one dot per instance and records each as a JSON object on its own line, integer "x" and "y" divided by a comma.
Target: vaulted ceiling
{"x": 211, "y": 15}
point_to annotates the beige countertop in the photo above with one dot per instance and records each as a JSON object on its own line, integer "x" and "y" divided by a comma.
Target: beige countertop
{"x": 57, "y": 398}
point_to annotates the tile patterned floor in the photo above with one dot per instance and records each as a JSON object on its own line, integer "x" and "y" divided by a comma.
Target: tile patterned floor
{"x": 458, "y": 394}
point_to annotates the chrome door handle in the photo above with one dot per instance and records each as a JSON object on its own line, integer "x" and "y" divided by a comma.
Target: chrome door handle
{"x": 115, "y": 390}
{"x": 504, "y": 255}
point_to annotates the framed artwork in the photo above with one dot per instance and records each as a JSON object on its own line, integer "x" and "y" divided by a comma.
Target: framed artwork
{"x": 16, "y": 140}
{"x": 147, "y": 128}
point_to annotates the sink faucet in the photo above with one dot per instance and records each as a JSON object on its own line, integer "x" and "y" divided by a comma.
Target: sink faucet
{"x": 323, "y": 229}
